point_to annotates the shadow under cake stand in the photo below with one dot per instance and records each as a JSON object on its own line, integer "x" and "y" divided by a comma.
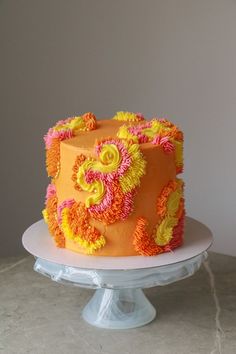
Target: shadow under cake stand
{"x": 119, "y": 302}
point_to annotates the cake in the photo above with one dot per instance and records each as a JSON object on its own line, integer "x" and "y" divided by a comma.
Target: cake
{"x": 114, "y": 189}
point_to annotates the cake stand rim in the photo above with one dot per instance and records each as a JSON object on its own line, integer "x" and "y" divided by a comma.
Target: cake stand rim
{"x": 58, "y": 255}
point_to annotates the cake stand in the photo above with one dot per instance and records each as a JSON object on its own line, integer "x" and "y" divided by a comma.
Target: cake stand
{"x": 119, "y": 302}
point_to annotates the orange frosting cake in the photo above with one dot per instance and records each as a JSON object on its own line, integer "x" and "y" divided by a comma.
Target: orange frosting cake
{"x": 114, "y": 190}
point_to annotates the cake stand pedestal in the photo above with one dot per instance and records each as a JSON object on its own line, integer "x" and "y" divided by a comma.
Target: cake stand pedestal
{"x": 118, "y": 302}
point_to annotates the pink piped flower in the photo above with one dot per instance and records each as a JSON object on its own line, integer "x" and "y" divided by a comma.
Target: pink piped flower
{"x": 138, "y": 132}
{"x": 142, "y": 139}
{"x": 128, "y": 205}
{"x": 65, "y": 204}
{"x": 137, "y": 129}
{"x": 51, "y": 191}
{"x": 61, "y": 134}
{"x": 64, "y": 121}
{"x": 164, "y": 142}
{"x": 140, "y": 116}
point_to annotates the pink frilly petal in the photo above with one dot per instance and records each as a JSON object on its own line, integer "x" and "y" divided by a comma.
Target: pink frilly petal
{"x": 51, "y": 191}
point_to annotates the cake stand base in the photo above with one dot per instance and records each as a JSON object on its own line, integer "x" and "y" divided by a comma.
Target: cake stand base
{"x": 119, "y": 309}
{"x": 119, "y": 302}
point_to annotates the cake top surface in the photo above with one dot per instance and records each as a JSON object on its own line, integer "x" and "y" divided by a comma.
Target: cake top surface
{"x": 124, "y": 125}
{"x": 85, "y": 132}
{"x": 105, "y": 128}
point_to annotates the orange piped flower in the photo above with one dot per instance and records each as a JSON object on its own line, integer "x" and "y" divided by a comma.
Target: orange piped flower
{"x": 78, "y": 219}
{"x": 114, "y": 212}
{"x": 163, "y": 198}
{"x": 173, "y": 131}
{"x": 179, "y": 169}
{"x": 78, "y": 162}
{"x": 53, "y": 226}
{"x": 64, "y": 129}
{"x": 90, "y": 121}
{"x": 53, "y": 158}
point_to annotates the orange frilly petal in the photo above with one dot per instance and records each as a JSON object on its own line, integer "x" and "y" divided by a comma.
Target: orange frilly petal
{"x": 53, "y": 226}
{"x": 53, "y": 158}
{"x": 143, "y": 243}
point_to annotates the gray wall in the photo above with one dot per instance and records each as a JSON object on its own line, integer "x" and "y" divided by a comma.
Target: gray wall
{"x": 171, "y": 58}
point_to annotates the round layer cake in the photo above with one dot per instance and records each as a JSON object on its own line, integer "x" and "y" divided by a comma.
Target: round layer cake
{"x": 114, "y": 190}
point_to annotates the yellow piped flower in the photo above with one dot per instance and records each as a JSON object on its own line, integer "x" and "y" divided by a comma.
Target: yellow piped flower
{"x": 174, "y": 199}
{"x": 76, "y": 123}
{"x": 45, "y": 215}
{"x": 155, "y": 129}
{"x": 132, "y": 176}
{"x": 110, "y": 159}
{"x": 178, "y": 152}
{"x": 165, "y": 230}
{"x": 111, "y": 179}
{"x": 96, "y": 187}
{"x": 126, "y": 116}
{"x": 123, "y": 133}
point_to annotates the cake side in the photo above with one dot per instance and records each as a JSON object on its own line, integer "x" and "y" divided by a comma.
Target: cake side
{"x": 115, "y": 192}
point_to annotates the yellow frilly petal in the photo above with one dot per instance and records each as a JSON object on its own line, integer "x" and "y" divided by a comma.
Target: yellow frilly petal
{"x": 45, "y": 215}
{"x": 155, "y": 128}
{"x": 110, "y": 159}
{"x": 174, "y": 199}
{"x": 165, "y": 230}
{"x": 125, "y": 116}
{"x": 123, "y": 133}
{"x": 132, "y": 176}
{"x": 178, "y": 152}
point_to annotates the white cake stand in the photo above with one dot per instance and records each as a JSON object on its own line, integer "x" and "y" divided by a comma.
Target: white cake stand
{"x": 119, "y": 302}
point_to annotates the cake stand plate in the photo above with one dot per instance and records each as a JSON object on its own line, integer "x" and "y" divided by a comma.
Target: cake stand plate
{"x": 119, "y": 302}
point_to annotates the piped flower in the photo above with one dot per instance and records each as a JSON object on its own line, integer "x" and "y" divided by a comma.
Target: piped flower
{"x": 70, "y": 220}
{"x": 76, "y": 227}
{"x": 143, "y": 243}
{"x": 111, "y": 179}
{"x": 168, "y": 233}
{"x": 51, "y": 217}
{"x": 164, "y": 142}
{"x": 170, "y": 208}
{"x": 158, "y": 132}
{"x": 64, "y": 129}
{"x": 129, "y": 116}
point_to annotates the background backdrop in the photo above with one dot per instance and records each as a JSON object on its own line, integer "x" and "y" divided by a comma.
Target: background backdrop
{"x": 168, "y": 58}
